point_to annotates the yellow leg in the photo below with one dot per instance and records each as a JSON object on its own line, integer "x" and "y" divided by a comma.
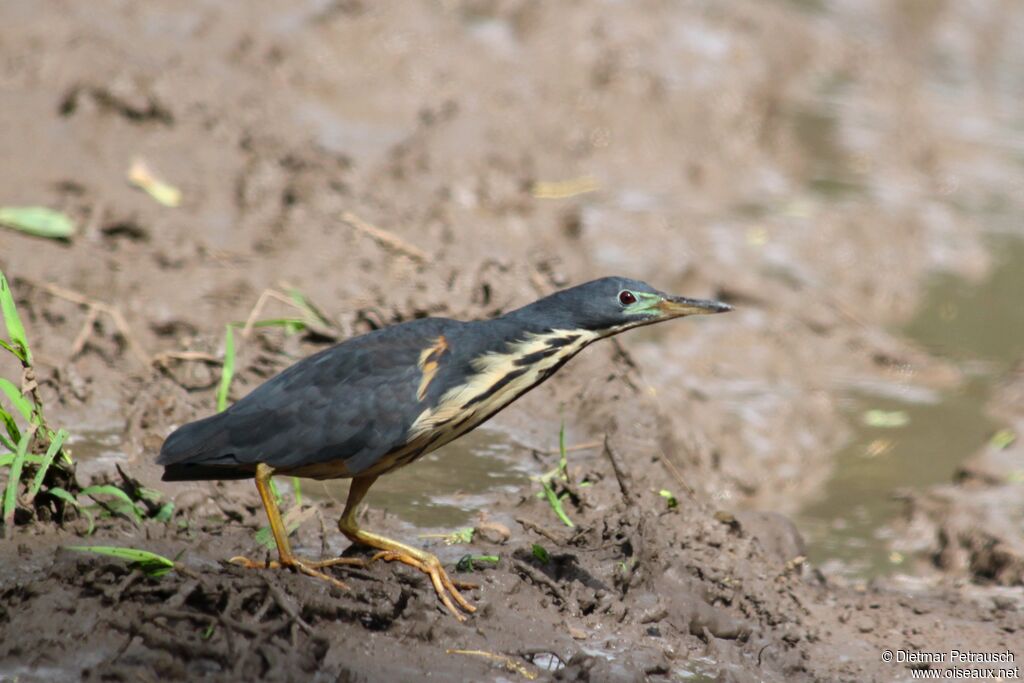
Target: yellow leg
{"x": 393, "y": 551}
{"x": 284, "y": 549}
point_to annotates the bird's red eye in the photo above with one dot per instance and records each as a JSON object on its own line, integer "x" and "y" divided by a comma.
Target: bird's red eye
{"x": 627, "y": 297}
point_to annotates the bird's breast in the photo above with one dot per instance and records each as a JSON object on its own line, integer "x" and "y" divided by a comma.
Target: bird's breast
{"x": 498, "y": 378}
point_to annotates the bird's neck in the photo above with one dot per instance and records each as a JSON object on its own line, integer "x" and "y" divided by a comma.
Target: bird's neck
{"x": 539, "y": 318}
{"x": 530, "y": 337}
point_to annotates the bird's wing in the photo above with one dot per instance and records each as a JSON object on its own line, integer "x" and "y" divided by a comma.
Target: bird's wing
{"x": 353, "y": 403}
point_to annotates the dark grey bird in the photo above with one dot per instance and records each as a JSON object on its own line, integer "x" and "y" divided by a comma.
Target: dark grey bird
{"x": 380, "y": 401}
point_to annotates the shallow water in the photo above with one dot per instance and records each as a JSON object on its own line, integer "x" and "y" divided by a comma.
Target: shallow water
{"x": 448, "y": 488}
{"x": 980, "y": 328}
{"x": 96, "y": 450}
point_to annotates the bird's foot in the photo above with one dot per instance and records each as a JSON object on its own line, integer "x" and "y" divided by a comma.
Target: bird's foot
{"x": 445, "y": 587}
{"x": 307, "y": 567}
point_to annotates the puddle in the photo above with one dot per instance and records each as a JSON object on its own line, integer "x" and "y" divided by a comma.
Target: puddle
{"x": 978, "y": 326}
{"x": 448, "y": 488}
{"x": 95, "y": 451}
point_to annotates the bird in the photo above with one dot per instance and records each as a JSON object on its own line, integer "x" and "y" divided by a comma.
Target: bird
{"x": 379, "y": 401}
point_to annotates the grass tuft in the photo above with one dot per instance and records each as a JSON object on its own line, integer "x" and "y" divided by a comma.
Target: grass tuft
{"x": 560, "y": 473}
{"x": 28, "y": 472}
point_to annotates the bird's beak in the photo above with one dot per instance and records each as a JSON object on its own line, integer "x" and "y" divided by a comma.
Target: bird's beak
{"x": 678, "y": 306}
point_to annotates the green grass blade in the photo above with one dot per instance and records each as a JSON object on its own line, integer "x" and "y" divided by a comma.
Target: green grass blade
{"x": 23, "y": 405}
{"x": 165, "y": 513}
{"x": 151, "y": 564}
{"x": 15, "y": 330}
{"x": 280, "y": 322}
{"x": 1003, "y": 439}
{"x": 265, "y": 536}
{"x": 62, "y": 494}
{"x": 556, "y": 504}
{"x": 12, "y": 431}
{"x": 51, "y": 453}
{"x": 228, "y": 371}
{"x": 108, "y": 490}
{"x": 37, "y": 220}
{"x": 314, "y": 314}
{"x": 297, "y": 490}
{"x": 14, "y": 480}
{"x": 467, "y": 563}
{"x": 92, "y": 521}
{"x": 541, "y": 553}
{"x": 7, "y": 459}
{"x": 117, "y": 494}
{"x": 563, "y": 459}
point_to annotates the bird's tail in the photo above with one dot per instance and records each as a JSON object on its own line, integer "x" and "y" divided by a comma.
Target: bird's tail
{"x": 199, "y": 451}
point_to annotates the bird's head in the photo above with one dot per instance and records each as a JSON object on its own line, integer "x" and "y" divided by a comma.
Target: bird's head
{"x": 614, "y": 304}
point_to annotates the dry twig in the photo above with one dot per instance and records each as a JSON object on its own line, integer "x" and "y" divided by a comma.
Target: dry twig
{"x": 265, "y": 296}
{"x": 674, "y": 470}
{"x": 385, "y": 239}
{"x": 541, "y": 580}
{"x": 96, "y": 307}
{"x": 538, "y": 529}
{"x": 311, "y": 318}
{"x": 620, "y": 474}
{"x": 587, "y": 445}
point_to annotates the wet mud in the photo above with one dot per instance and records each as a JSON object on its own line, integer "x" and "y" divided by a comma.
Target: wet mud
{"x": 811, "y": 163}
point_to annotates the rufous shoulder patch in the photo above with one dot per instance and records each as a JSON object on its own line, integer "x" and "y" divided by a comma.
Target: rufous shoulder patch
{"x": 430, "y": 357}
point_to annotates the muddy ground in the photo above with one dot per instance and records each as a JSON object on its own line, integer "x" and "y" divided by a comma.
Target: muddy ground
{"x": 809, "y": 162}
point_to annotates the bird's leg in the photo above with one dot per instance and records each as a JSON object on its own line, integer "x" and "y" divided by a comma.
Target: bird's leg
{"x": 392, "y": 551}
{"x": 284, "y": 549}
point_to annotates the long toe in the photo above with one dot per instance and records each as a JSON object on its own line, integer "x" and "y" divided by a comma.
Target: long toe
{"x": 309, "y": 568}
{"x": 336, "y": 561}
{"x": 443, "y": 585}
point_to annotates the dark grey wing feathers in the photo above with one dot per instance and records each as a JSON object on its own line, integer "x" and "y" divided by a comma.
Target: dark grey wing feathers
{"x": 354, "y": 402}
